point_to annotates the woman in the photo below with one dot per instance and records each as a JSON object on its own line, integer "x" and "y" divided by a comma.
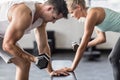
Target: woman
{"x": 104, "y": 20}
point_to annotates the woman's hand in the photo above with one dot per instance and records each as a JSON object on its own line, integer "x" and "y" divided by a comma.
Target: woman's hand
{"x": 59, "y": 72}
{"x": 66, "y": 69}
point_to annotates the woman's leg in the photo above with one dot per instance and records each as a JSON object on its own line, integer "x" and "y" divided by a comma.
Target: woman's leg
{"x": 114, "y": 58}
{"x": 22, "y": 68}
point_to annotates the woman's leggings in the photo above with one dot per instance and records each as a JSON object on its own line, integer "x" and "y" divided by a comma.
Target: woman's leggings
{"x": 114, "y": 58}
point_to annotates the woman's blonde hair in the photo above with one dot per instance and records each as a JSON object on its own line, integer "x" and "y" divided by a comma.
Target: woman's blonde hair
{"x": 72, "y": 3}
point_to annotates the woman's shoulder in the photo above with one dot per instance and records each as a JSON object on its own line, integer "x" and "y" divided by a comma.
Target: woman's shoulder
{"x": 96, "y": 10}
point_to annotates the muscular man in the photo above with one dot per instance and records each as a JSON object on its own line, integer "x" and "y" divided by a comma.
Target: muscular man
{"x": 18, "y": 18}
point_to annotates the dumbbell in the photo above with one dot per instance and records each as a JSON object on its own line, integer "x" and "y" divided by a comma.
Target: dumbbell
{"x": 43, "y": 60}
{"x": 75, "y": 46}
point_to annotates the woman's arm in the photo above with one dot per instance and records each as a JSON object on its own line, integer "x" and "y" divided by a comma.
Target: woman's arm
{"x": 91, "y": 21}
{"x": 101, "y": 38}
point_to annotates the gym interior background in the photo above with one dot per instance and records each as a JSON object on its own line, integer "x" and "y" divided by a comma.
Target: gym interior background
{"x": 67, "y": 31}
{"x": 61, "y": 35}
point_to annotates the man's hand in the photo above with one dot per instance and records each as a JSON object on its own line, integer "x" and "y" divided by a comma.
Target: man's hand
{"x": 60, "y": 72}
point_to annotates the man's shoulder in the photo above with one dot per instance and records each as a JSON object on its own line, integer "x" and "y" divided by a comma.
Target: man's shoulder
{"x": 20, "y": 8}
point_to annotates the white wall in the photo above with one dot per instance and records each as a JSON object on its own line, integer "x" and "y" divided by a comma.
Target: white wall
{"x": 67, "y": 31}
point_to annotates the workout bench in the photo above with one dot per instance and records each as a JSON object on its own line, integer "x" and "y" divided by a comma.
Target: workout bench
{"x": 58, "y": 64}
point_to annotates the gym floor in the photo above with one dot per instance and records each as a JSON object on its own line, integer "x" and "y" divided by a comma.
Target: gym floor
{"x": 99, "y": 69}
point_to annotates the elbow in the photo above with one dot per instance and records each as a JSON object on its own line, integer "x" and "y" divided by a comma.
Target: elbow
{"x": 102, "y": 40}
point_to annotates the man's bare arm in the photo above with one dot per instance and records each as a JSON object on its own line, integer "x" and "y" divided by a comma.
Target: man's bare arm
{"x": 43, "y": 47}
{"x": 42, "y": 42}
{"x": 19, "y": 23}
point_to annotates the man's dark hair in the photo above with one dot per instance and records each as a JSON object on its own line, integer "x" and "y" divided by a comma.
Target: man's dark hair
{"x": 60, "y": 6}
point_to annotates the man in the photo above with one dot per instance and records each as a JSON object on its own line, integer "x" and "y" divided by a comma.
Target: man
{"x": 18, "y": 18}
